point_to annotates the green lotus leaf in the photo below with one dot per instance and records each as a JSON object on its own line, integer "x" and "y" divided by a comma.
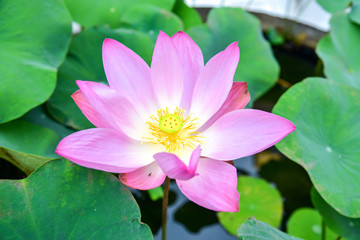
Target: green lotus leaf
{"x": 34, "y": 39}
{"x": 306, "y": 223}
{"x": 326, "y": 141}
{"x": 257, "y": 65}
{"x": 108, "y": 12}
{"x": 151, "y": 20}
{"x": 188, "y": 15}
{"x": 355, "y": 12}
{"x": 334, "y": 6}
{"x": 339, "y": 51}
{"x": 62, "y": 200}
{"x": 84, "y": 62}
{"x": 27, "y": 145}
{"x": 345, "y": 227}
{"x": 253, "y": 229}
{"x": 257, "y": 198}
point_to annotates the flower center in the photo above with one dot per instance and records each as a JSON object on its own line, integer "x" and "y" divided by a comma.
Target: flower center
{"x": 170, "y": 123}
{"x": 172, "y": 130}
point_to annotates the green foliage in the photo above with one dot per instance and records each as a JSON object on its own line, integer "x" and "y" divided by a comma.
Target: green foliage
{"x": 253, "y": 229}
{"x": 326, "y": 141}
{"x": 107, "y": 12}
{"x": 34, "y": 39}
{"x": 340, "y": 49}
{"x": 151, "y": 20}
{"x": 27, "y": 145}
{"x": 257, "y": 65}
{"x": 307, "y": 224}
{"x": 188, "y": 15}
{"x": 355, "y": 12}
{"x": 62, "y": 200}
{"x": 275, "y": 38}
{"x": 156, "y": 193}
{"x": 257, "y": 198}
{"x": 345, "y": 227}
{"x": 334, "y": 6}
{"x": 84, "y": 62}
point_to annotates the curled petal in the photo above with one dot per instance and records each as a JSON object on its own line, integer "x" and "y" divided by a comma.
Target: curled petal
{"x": 237, "y": 99}
{"x": 214, "y": 83}
{"x": 166, "y": 73}
{"x": 105, "y": 149}
{"x": 129, "y": 74}
{"x": 89, "y": 111}
{"x": 144, "y": 178}
{"x": 214, "y": 186}
{"x": 173, "y": 167}
{"x": 245, "y": 132}
{"x": 113, "y": 108}
{"x": 192, "y": 62}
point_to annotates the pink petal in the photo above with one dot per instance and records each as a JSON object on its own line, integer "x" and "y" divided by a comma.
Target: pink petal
{"x": 89, "y": 111}
{"x": 105, "y": 149}
{"x": 173, "y": 167}
{"x": 144, "y": 178}
{"x": 192, "y": 62}
{"x": 114, "y": 108}
{"x": 245, "y": 132}
{"x": 214, "y": 187}
{"x": 166, "y": 73}
{"x": 214, "y": 83}
{"x": 129, "y": 74}
{"x": 237, "y": 99}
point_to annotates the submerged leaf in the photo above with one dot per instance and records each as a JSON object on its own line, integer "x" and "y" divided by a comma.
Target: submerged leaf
{"x": 257, "y": 198}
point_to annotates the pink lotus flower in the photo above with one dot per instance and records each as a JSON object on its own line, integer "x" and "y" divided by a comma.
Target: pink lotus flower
{"x": 178, "y": 118}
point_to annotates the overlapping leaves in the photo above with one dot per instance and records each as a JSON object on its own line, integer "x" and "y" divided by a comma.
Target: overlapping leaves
{"x": 257, "y": 65}
{"x": 339, "y": 50}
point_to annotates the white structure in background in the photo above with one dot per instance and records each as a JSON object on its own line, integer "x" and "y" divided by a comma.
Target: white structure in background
{"x": 308, "y": 12}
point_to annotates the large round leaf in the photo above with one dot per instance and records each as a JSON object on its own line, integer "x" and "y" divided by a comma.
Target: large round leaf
{"x": 151, "y": 19}
{"x": 346, "y": 227}
{"x": 307, "y": 224}
{"x": 257, "y": 65}
{"x": 326, "y": 141}
{"x": 84, "y": 62}
{"x": 340, "y": 49}
{"x": 93, "y": 12}
{"x": 62, "y": 200}
{"x": 27, "y": 145}
{"x": 258, "y": 199}
{"x": 34, "y": 39}
{"x": 253, "y": 229}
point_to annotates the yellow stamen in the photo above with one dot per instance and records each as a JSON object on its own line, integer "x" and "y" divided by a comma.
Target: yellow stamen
{"x": 172, "y": 130}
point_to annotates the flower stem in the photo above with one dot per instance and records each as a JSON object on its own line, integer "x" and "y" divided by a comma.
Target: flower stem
{"x": 323, "y": 230}
{"x": 164, "y": 207}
